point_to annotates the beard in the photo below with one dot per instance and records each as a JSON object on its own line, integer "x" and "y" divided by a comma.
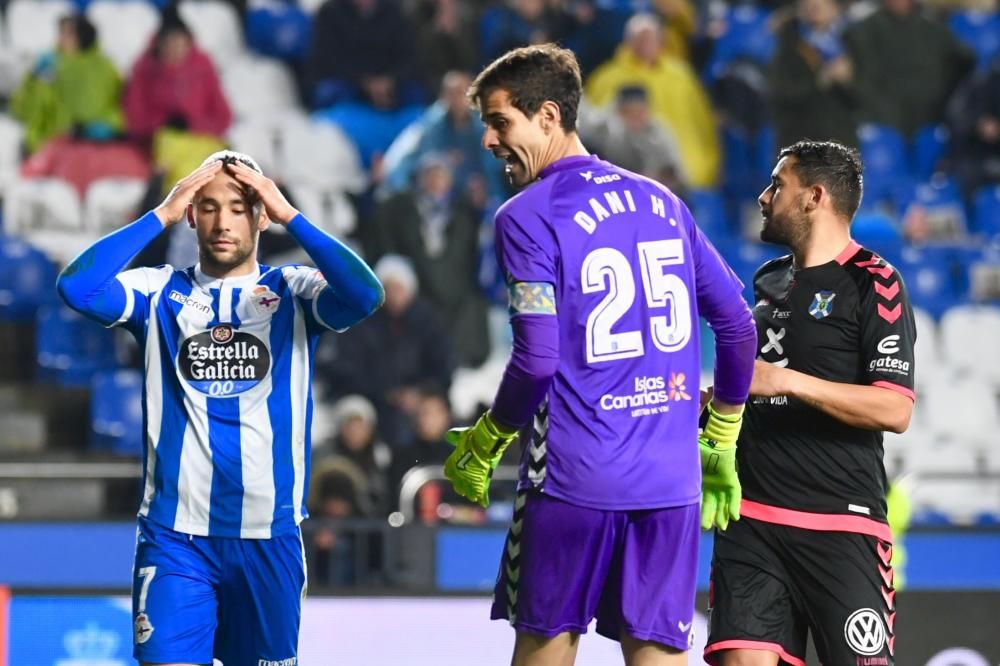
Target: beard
{"x": 789, "y": 228}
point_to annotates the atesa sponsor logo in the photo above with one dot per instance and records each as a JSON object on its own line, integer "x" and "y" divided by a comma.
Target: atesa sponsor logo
{"x": 223, "y": 361}
{"x": 888, "y": 345}
{"x": 893, "y": 364}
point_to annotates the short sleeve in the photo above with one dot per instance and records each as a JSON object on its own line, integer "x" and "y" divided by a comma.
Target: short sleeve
{"x": 525, "y": 249}
{"x": 888, "y": 332}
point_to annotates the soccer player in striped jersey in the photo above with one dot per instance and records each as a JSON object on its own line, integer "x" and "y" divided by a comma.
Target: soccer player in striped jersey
{"x": 607, "y": 275}
{"x": 228, "y": 347}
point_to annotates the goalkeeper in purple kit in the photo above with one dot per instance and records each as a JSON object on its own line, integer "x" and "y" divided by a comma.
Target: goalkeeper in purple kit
{"x": 607, "y": 275}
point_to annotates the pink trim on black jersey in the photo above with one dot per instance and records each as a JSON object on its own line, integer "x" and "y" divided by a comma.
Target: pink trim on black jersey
{"x": 897, "y": 388}
{"x": 848, "y": 252}
{"x": 822, "y": 522}
{"x": 753, "y": 645}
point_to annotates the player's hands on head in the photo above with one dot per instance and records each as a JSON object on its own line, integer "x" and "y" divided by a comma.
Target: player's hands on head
{"x": 721, "y": 492}
{"x": 276, "y": 206}
{"x": 477, "y": 453}
{"x": 173, "y": 207}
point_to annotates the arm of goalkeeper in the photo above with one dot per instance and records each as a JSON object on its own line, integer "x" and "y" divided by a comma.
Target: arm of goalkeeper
{"x": 477, "y": 453}
{"x": 720, "y": 485}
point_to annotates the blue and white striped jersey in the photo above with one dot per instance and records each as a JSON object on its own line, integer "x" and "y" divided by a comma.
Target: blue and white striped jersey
{"x": 227, "y": 401}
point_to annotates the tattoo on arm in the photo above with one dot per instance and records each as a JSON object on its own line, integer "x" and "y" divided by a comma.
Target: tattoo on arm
{"x": 532, "y": 298}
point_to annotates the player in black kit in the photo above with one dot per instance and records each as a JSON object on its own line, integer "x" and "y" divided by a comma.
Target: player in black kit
{"x": 835, "y": 369}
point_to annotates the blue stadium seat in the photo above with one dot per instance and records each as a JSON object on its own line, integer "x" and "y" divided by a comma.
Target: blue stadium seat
{"x": 747, "y": 35}
{"x": 930, "y": 274}
{"x": 278, "y": 29}
{"x": 70, "y": 348}
{"x": 745, "y": 257}
{"x": 877, "y": 232}
{"x": 709, "y": 211}
{"x": 116, "y": 412}
{"x": 980, "y": 31}
{"x": 929, "y": 146}
{"x": 887, "y": 174}
{"x": 986, "y": 212}
{"x": 27, "y": 279}
{"x": 941, "y": 199}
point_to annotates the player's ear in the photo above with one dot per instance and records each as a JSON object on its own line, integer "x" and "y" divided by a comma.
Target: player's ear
{"x": 815, "y": 195}
{"x": 190, "y": 215}
{"x": 550, "y": 115}
{"x": 263, "y": 222}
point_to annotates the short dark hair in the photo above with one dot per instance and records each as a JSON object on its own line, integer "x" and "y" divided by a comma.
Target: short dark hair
{"x": 532, "y": 75}
{"x": 833, "y": 165}
{"x": 86, "y": 33}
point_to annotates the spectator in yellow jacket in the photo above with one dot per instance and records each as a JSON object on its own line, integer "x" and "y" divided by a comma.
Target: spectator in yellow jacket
{"x": 676, "y": 96}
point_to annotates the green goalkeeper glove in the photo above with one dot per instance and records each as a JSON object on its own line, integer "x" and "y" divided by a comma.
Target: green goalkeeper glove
{"x": 720, "y": 485}
{"x": 477, "y": 453}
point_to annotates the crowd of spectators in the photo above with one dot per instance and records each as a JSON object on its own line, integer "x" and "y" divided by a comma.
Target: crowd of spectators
{"x": 697, "y": 95}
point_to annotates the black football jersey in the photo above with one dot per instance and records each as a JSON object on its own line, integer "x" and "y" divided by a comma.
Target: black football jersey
{"x": 850, "y": 321}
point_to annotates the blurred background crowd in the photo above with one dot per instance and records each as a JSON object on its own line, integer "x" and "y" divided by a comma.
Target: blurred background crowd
{"x": 357, "y": 108}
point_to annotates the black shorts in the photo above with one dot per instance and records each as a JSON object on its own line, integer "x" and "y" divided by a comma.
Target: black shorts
{"x": 772, "y": 584}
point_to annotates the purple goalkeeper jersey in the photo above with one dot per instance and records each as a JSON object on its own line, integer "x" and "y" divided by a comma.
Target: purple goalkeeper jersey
{"x": 631, "y": 272}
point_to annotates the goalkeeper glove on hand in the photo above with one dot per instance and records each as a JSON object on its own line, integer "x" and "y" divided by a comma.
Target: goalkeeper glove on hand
{"x": 477, "y": 453}
{"x": 720, "y": 485}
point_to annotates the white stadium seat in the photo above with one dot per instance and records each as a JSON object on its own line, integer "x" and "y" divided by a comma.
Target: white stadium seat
{"x": 47, "y": 213}
{"x": 11, "y": 135}
{"x": 216, "y": 27}
{"x": 32, "y": 29}
{"x": 110, "y": 203}
{"x": 320, "y": 156}
{"x": 123, "y": 46}
{"x": 330, "y": 210}
{"x": 969, "y": 335}
{"x": 258, "y": 86}
{"x": 927, "y": 350}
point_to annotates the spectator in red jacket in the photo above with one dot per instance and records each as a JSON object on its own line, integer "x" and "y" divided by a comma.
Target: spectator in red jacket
{"x": 175, "y": 84}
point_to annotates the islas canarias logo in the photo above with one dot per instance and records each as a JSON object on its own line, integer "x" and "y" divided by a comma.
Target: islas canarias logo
{"x": 223, "y": 361}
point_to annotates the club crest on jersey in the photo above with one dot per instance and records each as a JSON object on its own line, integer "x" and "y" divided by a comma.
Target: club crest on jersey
{"x": 223, "y": 361}
{"x": 143, "y": 628}
{"x": 822, "y": 304}
{"x": 264, "y": 300}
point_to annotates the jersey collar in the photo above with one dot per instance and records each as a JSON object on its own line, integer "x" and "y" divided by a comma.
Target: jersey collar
{"x": 571, "y": 162}
{"x": 207, "y": 281}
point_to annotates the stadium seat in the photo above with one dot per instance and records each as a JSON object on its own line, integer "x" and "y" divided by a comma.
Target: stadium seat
{"x": 11, "y": 135}
{"x": 216, "y": 27}
{"x": 927, "y": 350}
{"x": 877, "y": 232}
{"x": 70, "y": 348}
{"x": 969, "y": 335}
{"x": 48, "y": 214}
{"x": 278, "y": 29}
{"x": 887, "y": 175}
{"x": 747, "y": 34}
{"x": 745, "y": 257}
{"x": 929, "y": 145}
{"x": 986, "y": 212}
{"x": 980, "y": 30}
{"x": 26, "y": 279}
{"x": 930, "y": 277}
{"x": 116, "y": 412}
{"x": 110, "y": 203}
{"x": 330, "y": 210}
{"x": 259, "y": 137}
{"x": 709, "y": 211}
{"x": 244, "y": 78}
{"x": 940, "y": 206}
{"x": 32, "y": 28}
{"x": 123, "y": 47}
{"x": 959, "y": 499}
{"x": 319, "y": 155}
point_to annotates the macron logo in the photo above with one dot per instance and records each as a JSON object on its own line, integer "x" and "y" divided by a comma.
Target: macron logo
{"x": 587, "y": 175}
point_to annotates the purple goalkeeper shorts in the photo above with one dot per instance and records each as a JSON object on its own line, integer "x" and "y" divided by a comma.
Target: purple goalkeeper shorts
{"x": 635, "y": 571}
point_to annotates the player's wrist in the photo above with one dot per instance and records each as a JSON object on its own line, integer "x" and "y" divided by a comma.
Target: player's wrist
{"x": 496, "y": 428}
{"x": 166, "y": 216}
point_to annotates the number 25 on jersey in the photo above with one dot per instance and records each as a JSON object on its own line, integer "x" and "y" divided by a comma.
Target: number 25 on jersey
{"x": 608, "y": 269}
